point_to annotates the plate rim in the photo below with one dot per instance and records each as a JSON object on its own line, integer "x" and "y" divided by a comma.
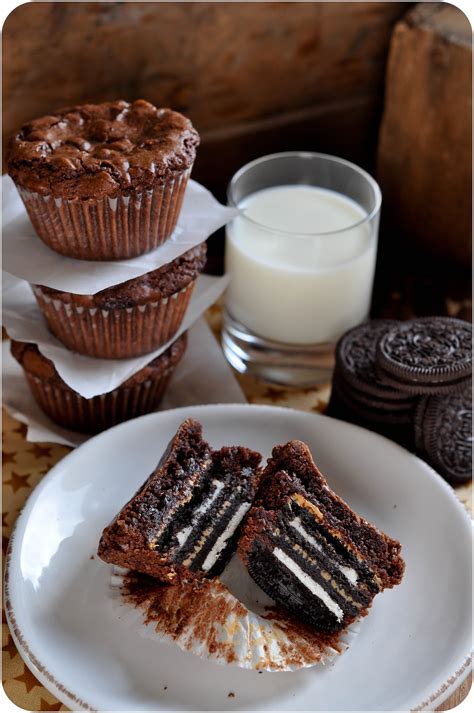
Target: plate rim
{"x": 67, "y": 697}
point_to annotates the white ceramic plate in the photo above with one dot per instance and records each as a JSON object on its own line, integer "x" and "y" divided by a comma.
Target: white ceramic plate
{"x": 412, "y": 649}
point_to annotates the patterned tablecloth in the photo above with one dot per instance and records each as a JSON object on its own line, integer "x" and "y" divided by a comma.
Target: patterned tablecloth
{"x": 25, "y": 464}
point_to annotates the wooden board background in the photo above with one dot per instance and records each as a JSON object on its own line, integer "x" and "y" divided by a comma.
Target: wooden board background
{"x": 425, "y": 148}
{"x": 253, "y": 77}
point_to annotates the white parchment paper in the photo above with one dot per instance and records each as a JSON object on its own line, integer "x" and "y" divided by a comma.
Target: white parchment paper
{"x": 27, "y": 257}
{"x": 202, "y": 376}
{"x": 89, "y": 377}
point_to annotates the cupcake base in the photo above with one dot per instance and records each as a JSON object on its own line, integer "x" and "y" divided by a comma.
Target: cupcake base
{"x": 108, "y": 228}
{"x": 139, "y": 395}
{"x": 116, "y": 333}
{"x": 70, "y": 410}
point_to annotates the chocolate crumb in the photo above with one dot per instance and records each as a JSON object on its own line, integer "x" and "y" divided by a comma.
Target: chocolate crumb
{"x": 231, "y": 694}
{"x": 91, "y": 557}
{"x": 165, "y": 688}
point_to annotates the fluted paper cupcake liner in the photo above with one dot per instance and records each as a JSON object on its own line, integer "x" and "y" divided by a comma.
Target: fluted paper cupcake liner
{"x": 107, "y": 228}
{"x": 211, "y": 622}
{"x": 118, "y": 332}
{"x": 71, "y": 410}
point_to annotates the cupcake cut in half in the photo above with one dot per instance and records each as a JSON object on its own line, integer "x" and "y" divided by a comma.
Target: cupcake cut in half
{"x": 140, "y": 394}
{"x": 104, "y": 181}
{"x": 306, "y": 548}
{"x": 185, "y": 519}
{"x": 126, "y": 320}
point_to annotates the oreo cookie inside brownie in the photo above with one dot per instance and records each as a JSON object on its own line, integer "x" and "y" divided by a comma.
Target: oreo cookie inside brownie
{"x": 187, "y": 516}
{"x": 308, "y": 550}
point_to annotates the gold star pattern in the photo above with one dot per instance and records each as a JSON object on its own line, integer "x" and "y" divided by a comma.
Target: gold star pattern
{"x": 22, "y": 429}
{"x": 18, "y": 481}
{"x": 8, "y": 457}
{"x": 40, "y": 451}
{"x": 28, "y": 679}
{"x": 45, "y": 706}
{"x": 275, "y": 395}
{"x": 10, "y": 648}
{"x": 319, "y": 407}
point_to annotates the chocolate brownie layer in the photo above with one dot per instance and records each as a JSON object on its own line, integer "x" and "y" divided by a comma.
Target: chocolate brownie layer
{"x": 185, "y": 519}
{"x": 308, "y": 550}
{"x": 152, "y": 286}
{"x": 97, "y": 150}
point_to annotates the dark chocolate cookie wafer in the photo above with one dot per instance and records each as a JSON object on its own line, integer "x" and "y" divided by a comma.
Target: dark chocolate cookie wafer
{"x": 368, "y": 400}
{"x": 372, "y": 414}
{"x": 355, "y": 360}
{"x": 399, "y": 431}
{"x": 444, "y": 424}
{"x": 430, "y": 355}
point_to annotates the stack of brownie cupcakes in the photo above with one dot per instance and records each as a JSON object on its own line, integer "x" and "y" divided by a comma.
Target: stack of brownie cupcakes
{"x": 410, "y": 381}
{"x": 106, "y": 182}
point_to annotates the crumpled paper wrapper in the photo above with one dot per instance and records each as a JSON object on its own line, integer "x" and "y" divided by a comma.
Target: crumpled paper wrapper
{"x": 202, "y": 376}
{"x": 28, "y": 258}
{"x": 86, "y": 375}
{"x": 229, "y": 621}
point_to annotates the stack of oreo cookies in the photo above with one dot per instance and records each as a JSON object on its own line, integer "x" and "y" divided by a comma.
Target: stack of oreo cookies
{"x": 410, "y": 381}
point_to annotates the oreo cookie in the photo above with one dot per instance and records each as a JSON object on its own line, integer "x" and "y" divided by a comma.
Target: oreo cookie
{"x": 443, "y": 433}
{"x": 430, "y": 355}
{"x": 367, "y": 400}
{"x": 369, "y": 413}
{"x": 398, "y": 428}
{"x": 356, "y": 360}
{"x": 359, "y": 395}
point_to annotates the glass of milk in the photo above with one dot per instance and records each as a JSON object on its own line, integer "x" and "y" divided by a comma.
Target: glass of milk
{"x": 301, "y": 258}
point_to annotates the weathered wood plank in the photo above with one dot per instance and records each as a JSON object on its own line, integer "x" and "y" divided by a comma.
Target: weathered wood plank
{"x": 224, "y": 64}
{"x": 424, "y": 157}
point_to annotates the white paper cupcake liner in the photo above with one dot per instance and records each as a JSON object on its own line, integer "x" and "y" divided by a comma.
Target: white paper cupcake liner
{"x": 107, "y": 228}
{"x": 227, "y": 621}
{"x": 118, "y": 332}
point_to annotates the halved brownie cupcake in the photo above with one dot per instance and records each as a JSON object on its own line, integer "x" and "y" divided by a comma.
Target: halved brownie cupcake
{"x": 308, "y": 550}
{"x": 185, "y": 519}
{"x": 127, "y": 320}
{"x": 104, "y": 181}
{"x": 140, "y": 394}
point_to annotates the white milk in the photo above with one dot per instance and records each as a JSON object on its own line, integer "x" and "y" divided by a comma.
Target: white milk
{"x": 300, "y": 288}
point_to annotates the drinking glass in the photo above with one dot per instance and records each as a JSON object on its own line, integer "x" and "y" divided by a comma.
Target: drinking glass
{"x": 301, "y": 259}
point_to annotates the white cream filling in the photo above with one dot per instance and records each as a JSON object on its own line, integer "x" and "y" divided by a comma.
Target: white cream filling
{"x": 221, "y": 541}
{"x": 348, "y": 572}
{"x": 309, "y": 583}
{"x": 183, "y": 535}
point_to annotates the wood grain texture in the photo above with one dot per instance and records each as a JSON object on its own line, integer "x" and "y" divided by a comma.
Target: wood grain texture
{"x": 424, "y": 155}
{"x": 243, "y": 72}
{"x": 458, "y": 696}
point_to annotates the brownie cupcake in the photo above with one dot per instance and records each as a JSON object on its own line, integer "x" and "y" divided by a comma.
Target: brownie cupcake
{"x": 104, "y": 181}
{"x": 126, "y": 320}
{"x": 140, "y": 394}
